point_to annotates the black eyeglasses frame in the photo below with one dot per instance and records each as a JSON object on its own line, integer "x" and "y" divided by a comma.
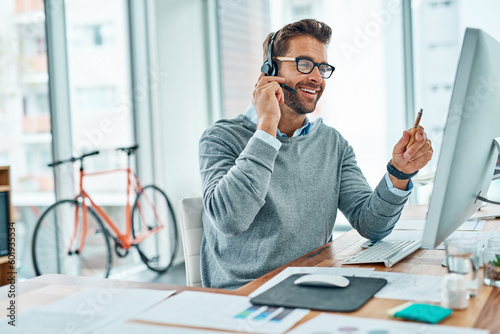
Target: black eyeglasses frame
{"x": 298, "y": 59}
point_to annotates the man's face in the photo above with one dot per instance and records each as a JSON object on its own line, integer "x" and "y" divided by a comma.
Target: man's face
{"x": 310, "y": 86}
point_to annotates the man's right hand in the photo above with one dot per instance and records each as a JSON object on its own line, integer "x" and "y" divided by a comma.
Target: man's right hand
{"x": 266, "y": 99}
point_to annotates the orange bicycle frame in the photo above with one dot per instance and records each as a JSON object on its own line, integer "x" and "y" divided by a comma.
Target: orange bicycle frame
{"x": 125, "y": 239}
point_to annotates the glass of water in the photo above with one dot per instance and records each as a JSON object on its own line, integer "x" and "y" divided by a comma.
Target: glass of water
{"x": 462, "y": 257}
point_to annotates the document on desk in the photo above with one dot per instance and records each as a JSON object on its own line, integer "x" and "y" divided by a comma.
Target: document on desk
{"x": 422, "y": 288}
{"x": 222, "y": 311}
{"x": 329, "y": 323}
{"x": 419, "y": 224}
{"x": 349, "y": 272}
{"x": 135, "y": 328}
{"x": 481, "y": 236}
{"x": 86, "y": 310}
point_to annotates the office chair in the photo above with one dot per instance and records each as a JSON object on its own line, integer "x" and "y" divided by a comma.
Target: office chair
{"x": 190, "y": 210}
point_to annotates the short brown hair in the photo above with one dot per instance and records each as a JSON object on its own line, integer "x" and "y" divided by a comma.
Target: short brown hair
{"x": 319, "y": 30}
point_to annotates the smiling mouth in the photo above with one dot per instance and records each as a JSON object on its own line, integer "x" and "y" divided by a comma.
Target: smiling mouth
{"x": 309, "y": 92}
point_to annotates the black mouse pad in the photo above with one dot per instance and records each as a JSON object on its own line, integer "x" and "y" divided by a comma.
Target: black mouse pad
{"x": 348, "y": 299}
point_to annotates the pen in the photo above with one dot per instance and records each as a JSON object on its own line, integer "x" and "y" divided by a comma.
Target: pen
{"x": 417, "y": 122}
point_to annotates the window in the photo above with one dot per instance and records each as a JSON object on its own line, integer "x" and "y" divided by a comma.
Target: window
{"x": 100, "y": 98}
{"x": 94, "y": 98}
{"x": 99, "y": 78}
{"x": 243, "y": 26}
{"x": 438, "y": 31}
{"x": 25, "y": 139}
{"x": 92, "y": 35}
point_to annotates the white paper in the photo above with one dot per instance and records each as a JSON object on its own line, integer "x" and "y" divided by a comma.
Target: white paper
{"x": 422, "y": 288}
{"x": 349, "y": 272}
{"x": 222, "y": 311}
{"x": 86, "y": 310}
{"x": 481, "y": 236}
{"x": 419, "y": 224}
{"x": 472, "y": 225}
{"x": 328, "y": 323}
{"x": 134, "y": 328}
{"x": 486, "y": 215}
{"x": 410, "y": 224}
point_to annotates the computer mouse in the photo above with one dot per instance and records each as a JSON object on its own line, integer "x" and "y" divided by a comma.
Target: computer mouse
{"x": 322, "y": 280}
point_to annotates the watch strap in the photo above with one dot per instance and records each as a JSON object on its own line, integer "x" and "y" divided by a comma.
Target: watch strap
{"x": 397, "y": 173}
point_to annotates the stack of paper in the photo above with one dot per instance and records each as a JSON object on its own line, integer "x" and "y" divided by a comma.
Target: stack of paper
{"x": 222, "y": 311}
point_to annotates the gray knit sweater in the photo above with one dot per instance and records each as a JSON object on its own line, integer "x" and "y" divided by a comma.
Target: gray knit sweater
{"x": 264, "y": 208}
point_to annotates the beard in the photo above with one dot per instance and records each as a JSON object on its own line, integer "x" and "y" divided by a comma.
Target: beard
{"x": 296, "y": 102}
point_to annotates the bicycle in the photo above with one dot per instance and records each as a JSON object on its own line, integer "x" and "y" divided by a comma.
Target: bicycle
{"x": 70, "y": 237}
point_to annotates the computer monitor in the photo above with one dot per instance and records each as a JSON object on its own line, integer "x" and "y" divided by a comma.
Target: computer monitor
{"x": 468, "y": 153}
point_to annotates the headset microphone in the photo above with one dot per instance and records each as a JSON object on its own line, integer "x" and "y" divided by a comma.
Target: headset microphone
{"x": 288, "y": 88}
{"x": 270, "y": 68}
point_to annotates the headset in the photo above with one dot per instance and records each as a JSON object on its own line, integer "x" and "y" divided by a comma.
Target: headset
{"x": 270, "y": 68}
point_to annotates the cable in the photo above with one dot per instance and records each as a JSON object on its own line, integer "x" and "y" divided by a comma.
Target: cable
{"x": 481, "y": 198}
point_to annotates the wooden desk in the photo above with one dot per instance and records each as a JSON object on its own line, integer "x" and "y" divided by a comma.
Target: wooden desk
{"x": 481, "y": 312}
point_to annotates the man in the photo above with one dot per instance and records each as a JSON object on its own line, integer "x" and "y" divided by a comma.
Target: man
{"x": 273, "y": 181}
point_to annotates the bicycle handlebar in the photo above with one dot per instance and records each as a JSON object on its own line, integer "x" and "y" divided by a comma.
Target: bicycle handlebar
{"x": 72, "y": 159}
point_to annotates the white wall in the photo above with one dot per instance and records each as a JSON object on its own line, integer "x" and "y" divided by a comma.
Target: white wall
{"x": 182, "y": 98}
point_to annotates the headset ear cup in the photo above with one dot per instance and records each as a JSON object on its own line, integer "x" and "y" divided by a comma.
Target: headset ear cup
{"x": 274, "y": 68}
{"x": 266, "y": 69}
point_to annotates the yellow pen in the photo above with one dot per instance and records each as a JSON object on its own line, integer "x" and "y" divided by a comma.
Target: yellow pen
{"x": 417, "y": 122}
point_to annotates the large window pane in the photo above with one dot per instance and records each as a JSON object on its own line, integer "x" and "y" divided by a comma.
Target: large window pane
{"x": 25, "y": 139}
{"x": 100, "y": 92}
{"x": 243, "y": 26}
{"x": 439, "y": 28}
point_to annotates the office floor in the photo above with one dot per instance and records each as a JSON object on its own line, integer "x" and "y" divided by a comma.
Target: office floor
{"x": 175, "y": 275}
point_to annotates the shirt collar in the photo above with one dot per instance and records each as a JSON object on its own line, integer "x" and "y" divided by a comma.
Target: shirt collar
{"x": 251, "y": 115}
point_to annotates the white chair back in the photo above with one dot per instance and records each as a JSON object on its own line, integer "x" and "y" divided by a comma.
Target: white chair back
{"x": 190, "y": 210}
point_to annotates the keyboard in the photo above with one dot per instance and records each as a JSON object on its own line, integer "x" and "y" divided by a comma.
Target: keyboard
{"x": 389, "y": 253}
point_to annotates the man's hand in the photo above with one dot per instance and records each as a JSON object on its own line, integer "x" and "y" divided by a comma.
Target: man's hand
{"x": 266, "y": 99}
{"x": 416, "y": 156}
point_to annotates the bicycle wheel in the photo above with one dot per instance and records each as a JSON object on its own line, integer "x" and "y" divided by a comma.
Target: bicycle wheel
{"x": 152, "y": 209}
{"x": 52, "y": 237}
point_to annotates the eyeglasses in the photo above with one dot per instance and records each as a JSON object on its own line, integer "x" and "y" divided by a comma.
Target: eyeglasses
{"x": 306, "y": 66}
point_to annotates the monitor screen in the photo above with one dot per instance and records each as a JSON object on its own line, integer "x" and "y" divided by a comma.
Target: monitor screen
{"x": 468, "y": 153}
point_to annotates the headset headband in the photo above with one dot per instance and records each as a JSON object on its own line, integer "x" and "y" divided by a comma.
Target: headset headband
{"x": 269, "y": 67}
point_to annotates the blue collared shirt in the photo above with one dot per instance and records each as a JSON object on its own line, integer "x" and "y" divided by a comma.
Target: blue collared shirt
{"x": 251, "y": 115}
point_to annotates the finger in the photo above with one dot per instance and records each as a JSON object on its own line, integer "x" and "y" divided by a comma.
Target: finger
{"x": 416, "y": 139}
{"x": 421, "y": 161}
{"x": 263, "y": 80}
{"x": 423, "y": 151}
{"x": 260, "y": 77}
{"x": 420, "y": 134}
{"x": 272, "y": 88}
{"x": 280, "y": 95}
{"x": 416, "y": 147}
{"x": 401, "y": 144}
